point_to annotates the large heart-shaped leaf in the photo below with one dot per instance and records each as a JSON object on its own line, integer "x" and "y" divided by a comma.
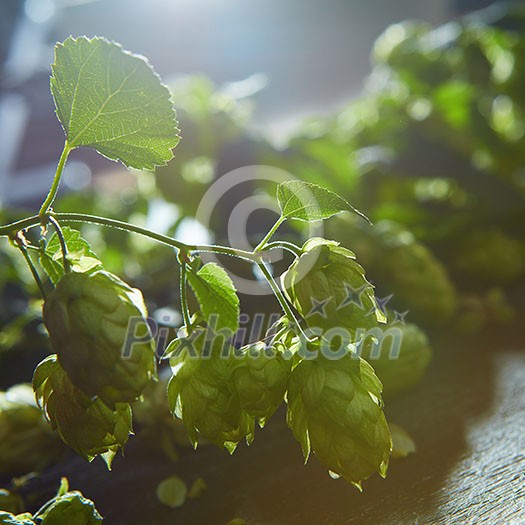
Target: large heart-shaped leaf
{"x": 114, "y": 102}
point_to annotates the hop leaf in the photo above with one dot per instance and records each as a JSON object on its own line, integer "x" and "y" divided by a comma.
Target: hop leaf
{"x": 329, "y": 289}
{"x": 334, "y": 409}
{"x": 28, "y": 444}
{"x": 80, "y": 255}
{"x": 113, "y": 101}
{"x": 305, "y": 201}
{"x": 88, "y": 320}
{"x": 217, "y": 297}
{"x": 87, "y": 425}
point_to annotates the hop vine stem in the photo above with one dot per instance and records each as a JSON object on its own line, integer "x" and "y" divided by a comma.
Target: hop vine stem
{"x": 63, "y": 245}
{"x": 260, "y": 247}
{"x": 184, "y": 297}
{"x": 23, "y": 249}
{"x": 256, "y": 256}
{"x": 48, "y": 202}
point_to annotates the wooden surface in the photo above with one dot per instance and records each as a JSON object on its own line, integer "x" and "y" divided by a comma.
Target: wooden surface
{"x": 468, "y": 422}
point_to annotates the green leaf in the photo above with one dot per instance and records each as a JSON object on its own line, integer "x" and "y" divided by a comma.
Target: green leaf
{"x": 172, "y": 492}
{"x": 114, "y": 102}
{"x": 80, "y": 255}
{"x": 309, "y": 202}
{"x": 217, "y": 296}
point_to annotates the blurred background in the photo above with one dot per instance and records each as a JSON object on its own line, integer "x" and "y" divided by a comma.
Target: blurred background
{"x": 309, "y": 57}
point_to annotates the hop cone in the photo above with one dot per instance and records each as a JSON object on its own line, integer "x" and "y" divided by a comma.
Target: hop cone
{"x": 87, "y": 319}
{"x": 400, "y": 357}
{"x": 27, "y": 442}
{"x": 72, "y": 509}
{"x": 329, "y": 289}
{"x": 334, "y": 409}
{"x": 401, "y": 266}
{"x": 260, "y": 378}
{"x": 201, "y": 393}
{"x": 87, "y": 425}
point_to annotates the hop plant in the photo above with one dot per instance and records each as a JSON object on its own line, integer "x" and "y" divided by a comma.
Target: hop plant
{"x": 71, "y": 508}
{"x": 402, "y": 266}
{"x": 329, "y": 288}
{"x": 220, "y": 395}
{"x": 87, "y": 318}
{"x": 201, "y": 393}
{"x": 28, "y": 444}
{"x": 400, "y": 356}
{"x": 66, "y": 508}
{"x": 260, "y": 378}
{"x": 87, "y": 425}
{"x": 334, "y": 410}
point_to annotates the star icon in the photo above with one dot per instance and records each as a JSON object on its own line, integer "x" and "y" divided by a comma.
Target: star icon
{"x": 381, "y": 304}
{"x": 400, "y": 317}
{"x": 318, "y": 307}
{"x": 353, "y": 296}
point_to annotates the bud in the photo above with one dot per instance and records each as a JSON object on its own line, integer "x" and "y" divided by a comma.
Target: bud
{"x": 335, "y": 410}
{"x": 71, "y": 509}
{"x": 260, "y": 378}
{"x": 87, "y": 425}
{"x": 399, "y": 362}
{"x": 329, "y": 289}
{"x": 87, "y": 319}
{"x": 202, "y": 394}
{"x": 28, "y": 444}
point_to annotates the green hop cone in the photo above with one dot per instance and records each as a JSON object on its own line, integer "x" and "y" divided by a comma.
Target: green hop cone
{"x": 260, "y": 378}
{"x": 202, "y": 394}
{"x": 399, "y": 356}
{"x": 403, "y": 267}
{"x": 329, "y": 289}
{"x": 87, "y": 425}
{"x": 334, "y": 409}
{"x": 71, "y": 508}
{"x": 87, "y": 319}
{"x": 28, "y": 444}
